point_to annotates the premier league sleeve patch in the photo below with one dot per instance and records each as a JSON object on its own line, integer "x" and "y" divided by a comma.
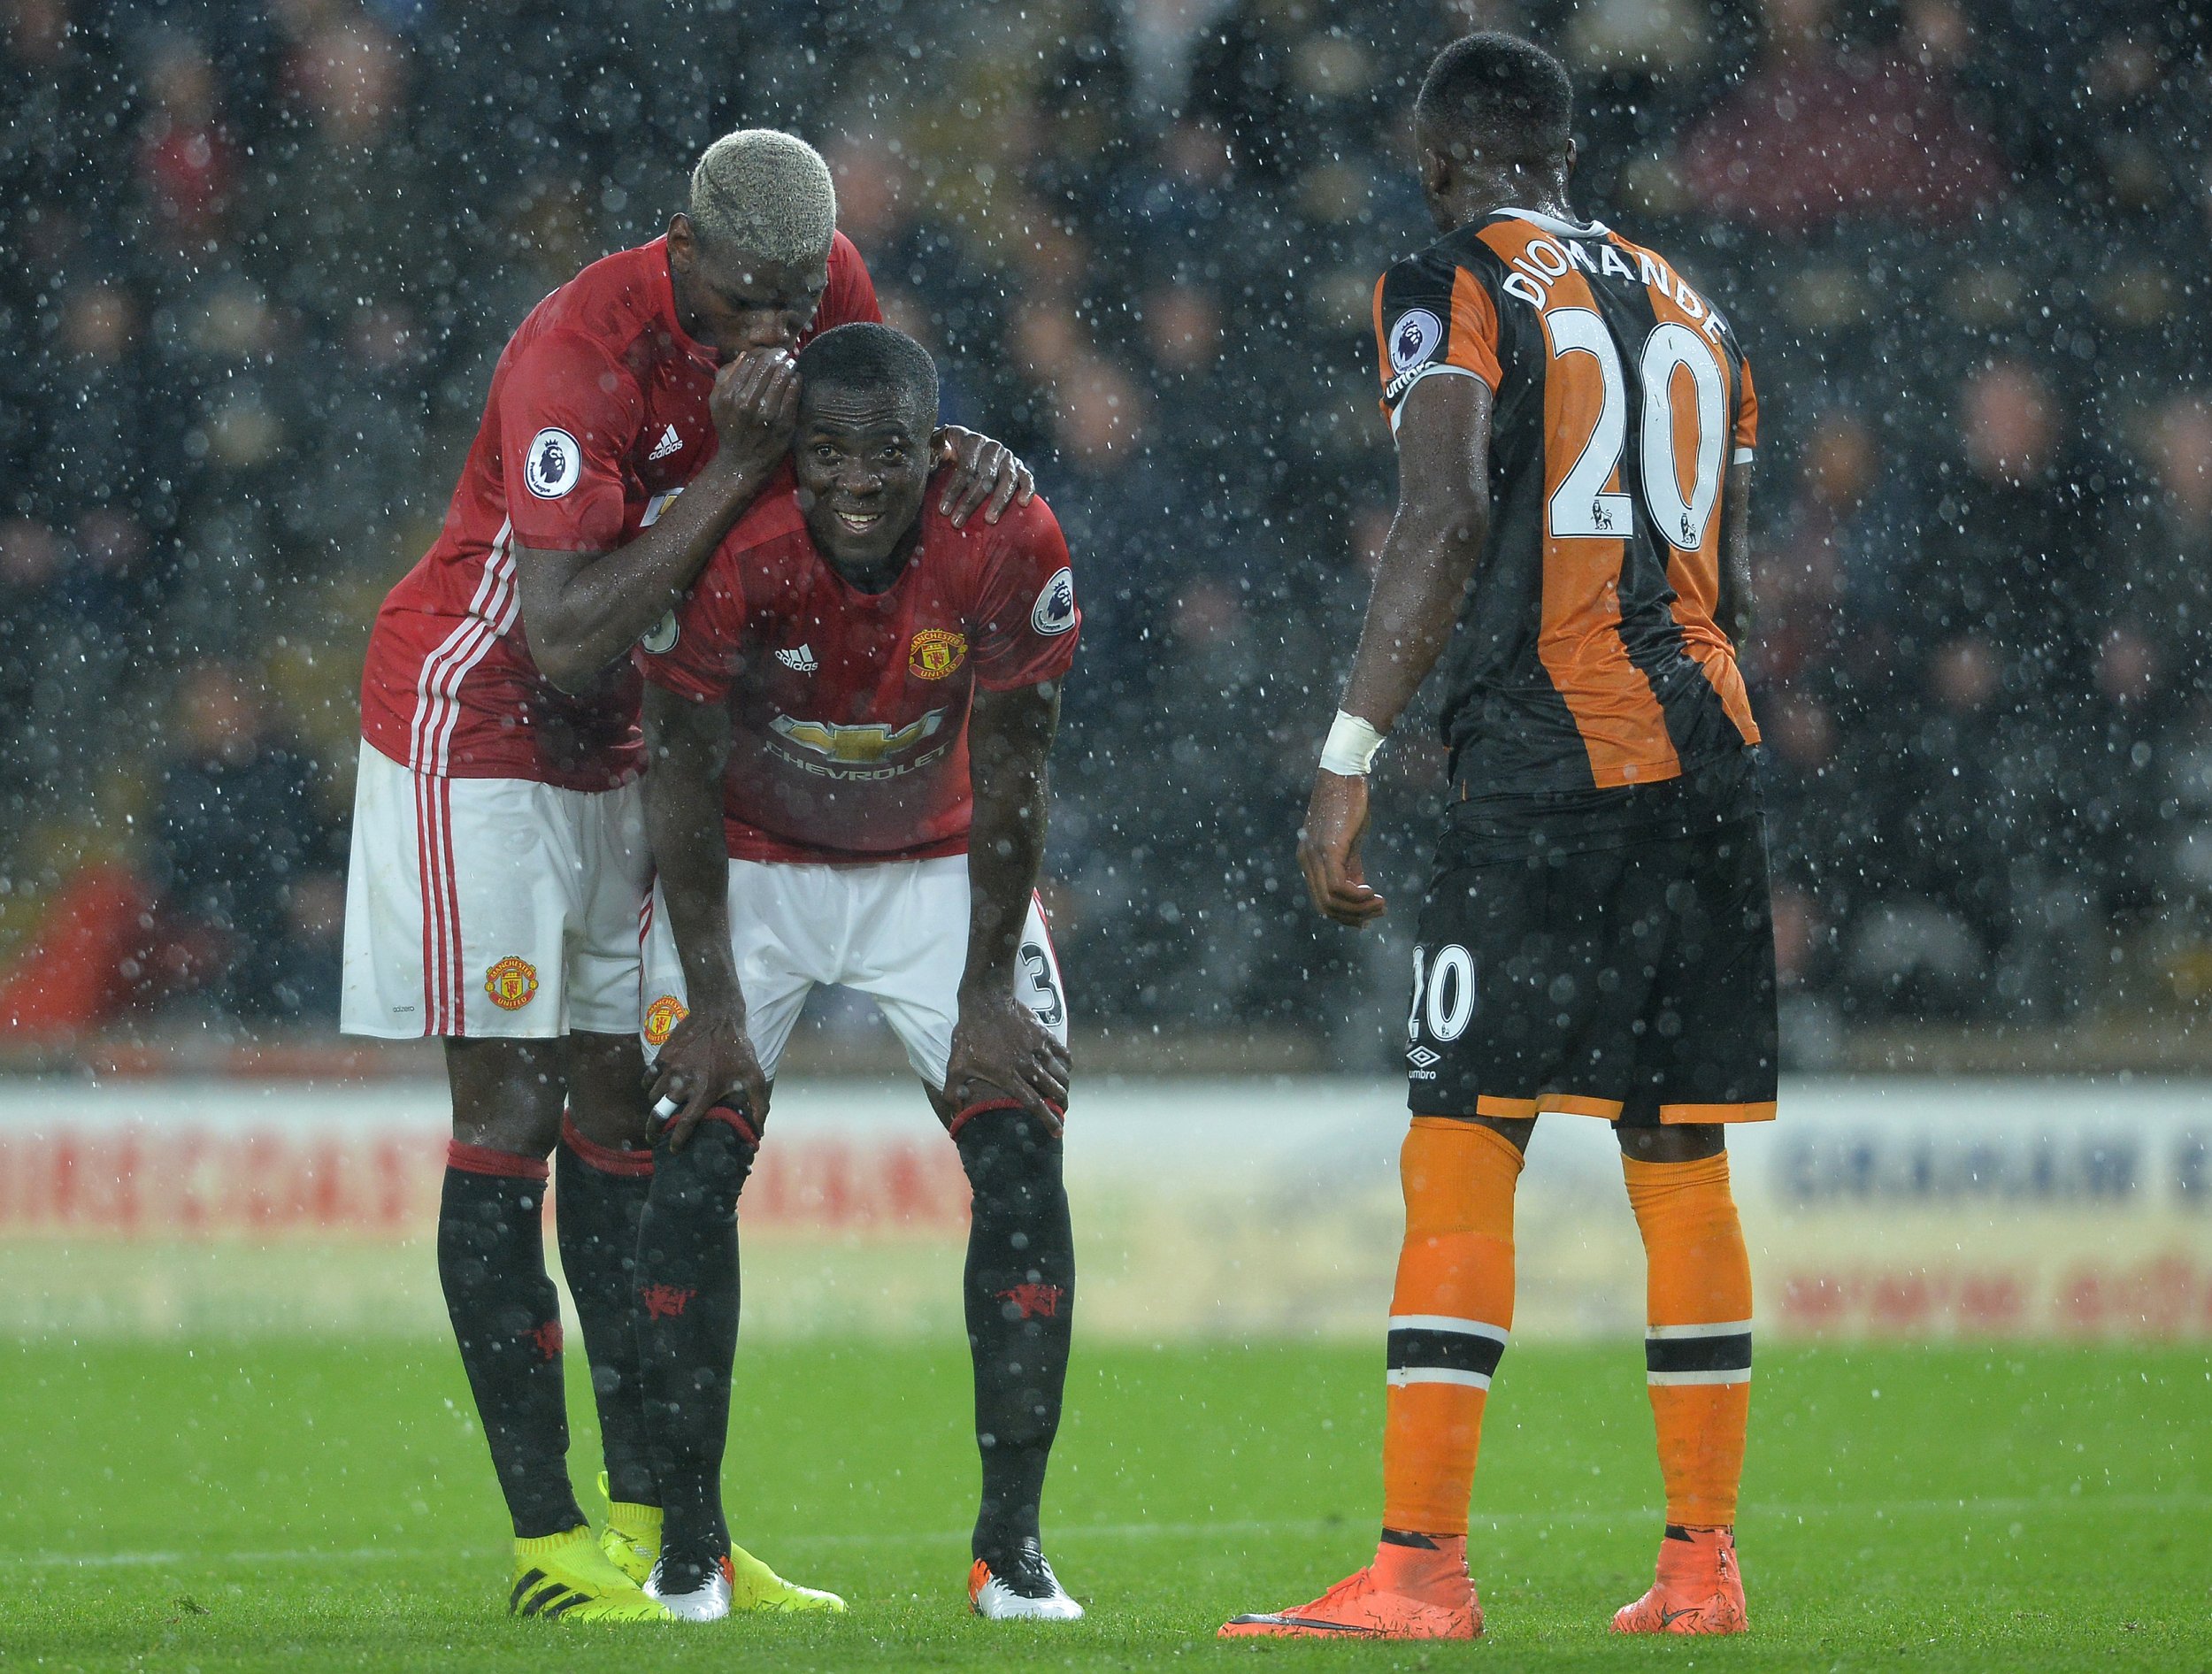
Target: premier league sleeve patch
{"x": 554, "y": 463}
{"x": 1414, "y": 339}
{"x": 1055, "y": 610}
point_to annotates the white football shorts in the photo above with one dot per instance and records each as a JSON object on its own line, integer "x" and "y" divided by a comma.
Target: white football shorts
{"x": 491, "y": 907}
{"x": 897, "y": 933}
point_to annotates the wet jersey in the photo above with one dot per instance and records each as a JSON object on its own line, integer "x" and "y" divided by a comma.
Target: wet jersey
{"x": 597, "y": 415}
{"x": 1587, "y": 655}
{"x": 849, "y": 710}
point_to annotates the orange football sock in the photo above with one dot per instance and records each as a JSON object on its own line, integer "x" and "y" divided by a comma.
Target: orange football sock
{"x": 1449, "y": 1317}
{"x": 1435, "y": 1572}
{"x": 1697, "y": 1347}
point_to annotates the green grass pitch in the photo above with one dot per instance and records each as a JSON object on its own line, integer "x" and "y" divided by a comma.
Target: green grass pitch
{"x": 298, "y": 1505}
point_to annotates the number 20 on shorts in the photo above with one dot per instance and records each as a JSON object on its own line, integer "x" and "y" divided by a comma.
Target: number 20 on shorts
{"x": 1443, "y": 993}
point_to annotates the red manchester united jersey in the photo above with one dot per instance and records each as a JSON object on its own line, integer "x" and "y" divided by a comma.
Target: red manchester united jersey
{"x": 849, "y": 710}
{"x": 598, "y": 414}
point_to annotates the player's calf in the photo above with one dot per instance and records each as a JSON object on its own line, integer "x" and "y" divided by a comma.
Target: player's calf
{"x": 603, "y": 1170}
{"x": 507, "y": 1320}
{"x": 685, "y": 1318}
{"x": 601, "y": 1200}
{"x": 1019, "y": 1289}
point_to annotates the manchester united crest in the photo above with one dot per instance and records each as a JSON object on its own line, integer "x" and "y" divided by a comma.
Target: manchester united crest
{"x": 511, "y": 983}
{"x": 661, "y": 1018}
{"x": 936, "y": 653}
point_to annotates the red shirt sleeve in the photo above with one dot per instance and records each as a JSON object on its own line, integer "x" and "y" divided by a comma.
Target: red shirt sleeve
{"x": 850, "y": 296}
{"x": 567, "y": 415}
{"x": 1026, "y": 621}
{"x": 694, "y": 652}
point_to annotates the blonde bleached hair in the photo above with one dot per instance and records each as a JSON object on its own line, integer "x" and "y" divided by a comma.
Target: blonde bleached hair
{"x": 765, "y": 194}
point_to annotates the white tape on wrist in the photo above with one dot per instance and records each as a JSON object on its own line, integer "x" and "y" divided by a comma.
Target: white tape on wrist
{"x": 1352, "y": 745}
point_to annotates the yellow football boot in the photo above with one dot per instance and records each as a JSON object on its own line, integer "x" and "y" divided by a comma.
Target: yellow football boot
{"x": 755, "y": 1587}
{"x": 631, "y": 1538}
{"x": 631, "y": 1541}
{"x": 568, "y": 1577}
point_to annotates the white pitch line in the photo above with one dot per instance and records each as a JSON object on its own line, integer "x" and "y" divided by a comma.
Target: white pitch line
{"x": 164, "y": 1560}
{"x": 2012, "y": 1506}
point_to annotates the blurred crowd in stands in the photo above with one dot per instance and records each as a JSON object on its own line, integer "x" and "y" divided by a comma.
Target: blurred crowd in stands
{"x": 260, "y": 257}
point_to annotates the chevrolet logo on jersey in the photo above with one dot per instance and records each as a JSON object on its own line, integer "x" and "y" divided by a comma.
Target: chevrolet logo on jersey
{"x": 865, "y": 744}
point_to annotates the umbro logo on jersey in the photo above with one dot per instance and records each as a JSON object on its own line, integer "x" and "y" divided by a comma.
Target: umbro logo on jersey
{"x": 670, "y": 443}
{"x": 798, "y": 658}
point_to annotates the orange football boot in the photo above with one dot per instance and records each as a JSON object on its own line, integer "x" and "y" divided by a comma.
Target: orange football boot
{"x": 1408, "y": 1592}
{"x": 1700, "y": 1589}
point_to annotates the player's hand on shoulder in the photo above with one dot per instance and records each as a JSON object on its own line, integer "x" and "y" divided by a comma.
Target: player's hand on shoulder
{"x": 982, "y": 470}
{"x": 1328, "y": 851}
{"x": 709, "y": 1059}
{"x": 755, "y": 405}
{"x": 999, "y": 1050}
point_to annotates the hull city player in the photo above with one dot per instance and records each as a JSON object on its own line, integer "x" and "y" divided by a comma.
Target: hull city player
{"x": 848, "y": 722}
{"x": 499, "y": 866}
{"x": 1575, "y": 426}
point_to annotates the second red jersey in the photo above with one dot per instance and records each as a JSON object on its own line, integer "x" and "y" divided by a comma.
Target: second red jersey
{"x": 597, "y": 416}
{"x": 849, "y": 710}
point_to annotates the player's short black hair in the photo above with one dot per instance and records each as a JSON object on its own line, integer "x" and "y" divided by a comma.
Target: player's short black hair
{"x": 1507, "y": 98}
{"x": 866, "y": 355}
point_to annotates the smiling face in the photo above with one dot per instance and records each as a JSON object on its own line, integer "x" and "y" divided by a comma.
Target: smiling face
{"x": 733, "y": 301}
{"x": 862, "y": 459}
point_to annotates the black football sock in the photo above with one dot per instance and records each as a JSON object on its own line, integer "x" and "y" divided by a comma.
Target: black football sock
{"x": 687, "y": 1303}
{"x": 1020, "y": 1295}
{"x": 601, "y": 1196}
{"x": 507, "y": 1318}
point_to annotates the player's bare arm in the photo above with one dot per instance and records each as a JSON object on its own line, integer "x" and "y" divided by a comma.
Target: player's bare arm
{"x": 1734, "y": 609}
{"x": 999, "y": 1048}
{"x": 583, "y": 610}
{"x": 1443, "y": 519}
{"x": 709, "y": 1056}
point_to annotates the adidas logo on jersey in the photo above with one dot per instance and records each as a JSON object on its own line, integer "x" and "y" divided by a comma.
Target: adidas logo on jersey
{"x": 799, "y": 659}
{"x": 670, "y": 443}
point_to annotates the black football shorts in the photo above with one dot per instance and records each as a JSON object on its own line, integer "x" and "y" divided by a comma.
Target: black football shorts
{"x": 1634, "y": 982}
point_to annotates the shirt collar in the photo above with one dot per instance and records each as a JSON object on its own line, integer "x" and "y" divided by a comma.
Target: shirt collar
{"x": 1553, "y": 225}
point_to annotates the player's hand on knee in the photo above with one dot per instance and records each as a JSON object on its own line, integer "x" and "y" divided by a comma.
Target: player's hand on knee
{"x": 755, "y": 406}
{"x": 1328, "y": 851}
{"x": 1001, "y": 1050}
{"x": 982, "y": 469}
{"x": 709, "y": 1059}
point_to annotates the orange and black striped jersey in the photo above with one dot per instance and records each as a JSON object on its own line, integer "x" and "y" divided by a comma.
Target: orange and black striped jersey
{"x": 1587, "y": 656}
